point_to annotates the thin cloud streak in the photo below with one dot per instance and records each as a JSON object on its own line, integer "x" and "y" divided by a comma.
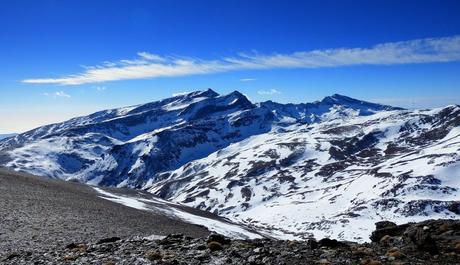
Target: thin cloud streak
{"x": 101, "y": 88}
{"x": 147, "y": 65}
{"x": 248, "y": 79}
{"x": 57, "y": 94}
{"x": 269, "y": 92}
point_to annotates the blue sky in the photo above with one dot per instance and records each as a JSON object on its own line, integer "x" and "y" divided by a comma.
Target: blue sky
{"x": 61, "y": 59}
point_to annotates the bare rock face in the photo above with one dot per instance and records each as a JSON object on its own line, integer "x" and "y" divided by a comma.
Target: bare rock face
{"x": 387, "y": 228}
{"x": 434, "y": 236}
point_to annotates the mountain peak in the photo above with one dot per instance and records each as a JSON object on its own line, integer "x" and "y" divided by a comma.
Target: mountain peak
{"x": 236, "y": 92}
{"x": 208, "y": 93}
{"x": 338, "y": 99}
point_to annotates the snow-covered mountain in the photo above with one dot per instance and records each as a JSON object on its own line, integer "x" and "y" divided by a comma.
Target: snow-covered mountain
{"x": 335, "y": 178}
{"x": 129, "y": 146}
{"x": 332, "y": 107}
{"x": 328, "y": 168}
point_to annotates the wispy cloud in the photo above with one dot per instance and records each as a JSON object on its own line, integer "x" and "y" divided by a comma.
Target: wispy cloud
{"x": 57, "y": 94}
{"x": 269, "y": 92}
{"x": 101, "y": 88}
{"x": 150, "y": 56}
{"x": 147, "y": 65}
{"x": 248, "y": 79}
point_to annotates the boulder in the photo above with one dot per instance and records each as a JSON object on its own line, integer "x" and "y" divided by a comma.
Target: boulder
{"x": 218, "y": 238}
{"x": 386, "y": 228}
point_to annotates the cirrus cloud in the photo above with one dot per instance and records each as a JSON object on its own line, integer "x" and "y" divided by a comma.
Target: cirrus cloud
{"x": 57, "y": 94}
{"x": 269, "y": 92}
{"x": 248, "y": 79}
{"x": 147, "y": 65}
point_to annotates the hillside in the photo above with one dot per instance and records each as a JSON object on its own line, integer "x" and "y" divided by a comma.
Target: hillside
{"x": 334, "y": 178}
{"x": 327, "y": 168}
{"x": 39, "y": 214}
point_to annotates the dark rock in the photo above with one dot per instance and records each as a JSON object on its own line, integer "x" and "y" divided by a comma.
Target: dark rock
{"x": 108, "y": 240}
{"x": 201, "y": 247}
{"x": 218, "y": 238}
{"x": 330, "y": 243}
{"x": 384, "y": 224}
{"x": 312, "y": 243}
{"x": 12, "y": 256}
{"x": 386, "y": 228}
{"x": 408, "y": 249}
{"x": 153, "y": 255}
{"x": 215, "y": 246}
{"x": 421, "y": 238}
{"x": 71, "y": 246}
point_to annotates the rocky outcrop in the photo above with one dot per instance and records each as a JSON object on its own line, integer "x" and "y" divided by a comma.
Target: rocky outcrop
{"x": 410, "y": 244}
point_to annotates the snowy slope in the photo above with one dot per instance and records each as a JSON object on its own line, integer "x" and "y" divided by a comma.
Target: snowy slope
{"x": 335, "y": 178}
{"x": 327, "y": 168}
{"x": 332, "y": 107}
{"x": 130, "y": 146}
{"x": 175, "y": 211}
{"x": 127, "y": 146}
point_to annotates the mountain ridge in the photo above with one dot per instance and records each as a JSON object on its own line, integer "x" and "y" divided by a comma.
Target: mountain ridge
{"x": 124, "y": 125}
{"x": 238, "y": 159}
{"x": 331, "y": 177}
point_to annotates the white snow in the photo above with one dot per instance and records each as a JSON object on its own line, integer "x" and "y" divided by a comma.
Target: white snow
{"x": 322, "y": 205}
{"x": 237, "y": 149}
{"x": 158, "y": 205}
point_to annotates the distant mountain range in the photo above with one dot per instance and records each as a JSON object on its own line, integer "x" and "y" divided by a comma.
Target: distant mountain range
{"x": 327, "y": 168}
{"x": 3, "y": 136}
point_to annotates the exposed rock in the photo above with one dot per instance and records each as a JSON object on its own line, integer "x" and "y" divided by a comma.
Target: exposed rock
{"x": 108, "y": 240}
{"x": 370, "y": 262}
{"x": 384, "y": 224}
{"x": 218, "y": 238}
{"x": 154, "y": 255}
{"x": 182, "y": 250}
{"x": 434, "y": 236}
{"x": 394, "y": 252}
{"x": 214, "y": 246}
{"x": 387, "y": 229}
{"x": 332, "y": 243}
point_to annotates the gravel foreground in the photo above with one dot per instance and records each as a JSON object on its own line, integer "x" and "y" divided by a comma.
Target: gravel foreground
{"x": 429, "y": 242}
{"x": 38, "y": 213}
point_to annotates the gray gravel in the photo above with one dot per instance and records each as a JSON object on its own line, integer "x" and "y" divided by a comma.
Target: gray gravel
{"x": 38, "y": 213}
{"x": 177, "y": 249}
